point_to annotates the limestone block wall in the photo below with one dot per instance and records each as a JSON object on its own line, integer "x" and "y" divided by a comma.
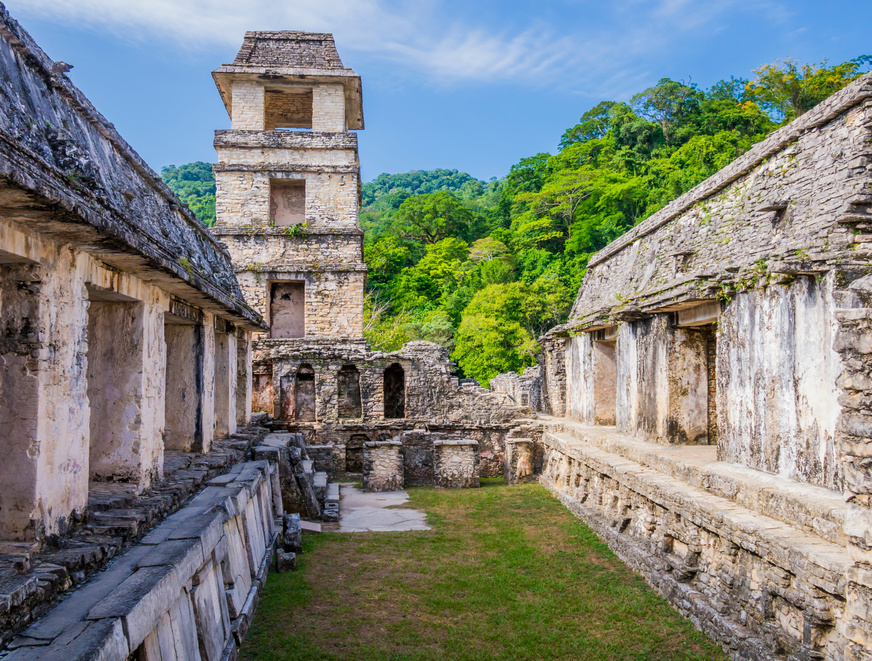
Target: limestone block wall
{"x": 187, "y": 591}
{"x": 382, "y": 466}
{"x": 777, "y": 238}
{"x": 455, "y": 463}
{"x": 328, "y": 108}
{"x": 243, "y": 194}
{"x": 735, "y": 558}
{"x": 524, "y": 389}
{"x": 333, "y": 298}
{"x": 85, "y": 382}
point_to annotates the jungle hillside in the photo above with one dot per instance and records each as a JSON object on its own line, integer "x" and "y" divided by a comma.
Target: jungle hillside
{"x": 485, "y": 267}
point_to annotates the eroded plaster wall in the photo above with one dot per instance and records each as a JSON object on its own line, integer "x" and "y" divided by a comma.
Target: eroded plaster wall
{"x": 778, "y": 401}
{"x": 116, "y": 348}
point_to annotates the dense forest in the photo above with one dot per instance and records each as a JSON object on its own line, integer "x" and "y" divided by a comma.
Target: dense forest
{"x": 485, "y": 267}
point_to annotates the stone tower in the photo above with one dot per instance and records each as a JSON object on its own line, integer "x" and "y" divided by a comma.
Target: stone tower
{"x": 288, "y": 185}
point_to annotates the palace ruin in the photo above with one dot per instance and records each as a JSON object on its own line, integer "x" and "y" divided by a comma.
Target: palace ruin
{"x": 706, "y": 410}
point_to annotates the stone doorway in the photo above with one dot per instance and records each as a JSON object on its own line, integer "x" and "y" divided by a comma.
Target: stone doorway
{"x": 395, "y": 391}
{"x": 354, "y": 453}
{"x": 349, "y": 392}
{"x": 304, "y": 394}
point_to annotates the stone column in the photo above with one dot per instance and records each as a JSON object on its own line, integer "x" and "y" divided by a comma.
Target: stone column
{"x": 455, "y": 464}
{"x": 382, "y": 466}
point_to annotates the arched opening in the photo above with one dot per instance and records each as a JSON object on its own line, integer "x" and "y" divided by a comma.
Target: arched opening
{"x": 395, "y": 391}
{"x": 349, "y": 392}
{"x": 304, "y": 394}
{"x": 354, "y": 453}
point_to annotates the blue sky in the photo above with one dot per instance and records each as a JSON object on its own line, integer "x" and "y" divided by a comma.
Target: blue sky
{"x": 472, "y": 85}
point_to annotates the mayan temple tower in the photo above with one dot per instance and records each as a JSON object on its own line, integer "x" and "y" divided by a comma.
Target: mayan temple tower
{"x": 288, "y": 192}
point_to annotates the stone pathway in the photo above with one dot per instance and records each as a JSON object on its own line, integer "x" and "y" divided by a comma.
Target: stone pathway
{"x": 366, "y": 512}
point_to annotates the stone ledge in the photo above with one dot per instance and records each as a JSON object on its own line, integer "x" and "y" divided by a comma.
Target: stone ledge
{"x": 140, "y": 590}
{"x": 729, "y": 567}
{"x": 814, "y": 509}
{"x": 118, "y": 517}
{"x": 459, "y": 442}
{"x": 285, "y": 139}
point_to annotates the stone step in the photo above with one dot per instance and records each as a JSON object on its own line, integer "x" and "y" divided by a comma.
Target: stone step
{"x": 308, "y": 466}
{"x": 814, "y": 509}
{"x": 333, "y": 492}
{"x": 320, "y": 484}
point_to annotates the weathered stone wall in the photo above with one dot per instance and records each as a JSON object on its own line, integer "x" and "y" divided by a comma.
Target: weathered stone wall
{"x": 778, "y": 237}
{"x": 739, "y": 316}
{"x": 75, "y": 178}
{"x": 523, "y": 389}
{"x": 382, "y": 466}
{"x": 187, "y": 590}
{"x": 95, "y": 254}
{"x": 758, "y": 563}
{"x": 455, "y": 464}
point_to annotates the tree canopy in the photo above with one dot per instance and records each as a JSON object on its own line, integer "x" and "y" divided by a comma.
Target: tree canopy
{"x": 485, "y": 267}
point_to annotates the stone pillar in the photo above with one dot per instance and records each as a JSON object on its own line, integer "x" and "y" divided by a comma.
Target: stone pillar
{"x": 244, "y": 378}
{"x": 455, "y": 464}
{"x": 225, "y": 380}
{"x": 382, "y": 466}
{"x": 184, "y": 419}
{"x": 328, "y": 108}
{"x": 248, "y": 109}
{"x": 19, "y": 395}
{"x": 116, "y": 367}
{"x": 520, "y": 458}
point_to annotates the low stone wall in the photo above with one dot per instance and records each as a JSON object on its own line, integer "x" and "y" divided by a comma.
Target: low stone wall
{"x": 382, "y": 466}
{"x": 455, "y": 464}
{"x": 187, "y": 591}
{"x": 736, "y": 563}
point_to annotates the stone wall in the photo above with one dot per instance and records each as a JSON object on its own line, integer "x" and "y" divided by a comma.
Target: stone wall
{"x": 777, "y": 237}
{"x": 523, "y": 389}
{"x": 759, "y": 563}
{"x": 716, "y": 393}
{"x": 96, "y": 257}
{"x": 188, "y": 590}
{"x": 382, "y": 466}
{"x": 455, "y": 464}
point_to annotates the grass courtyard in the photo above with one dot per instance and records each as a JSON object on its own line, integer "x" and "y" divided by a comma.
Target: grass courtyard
{"x": 506, "y": 573}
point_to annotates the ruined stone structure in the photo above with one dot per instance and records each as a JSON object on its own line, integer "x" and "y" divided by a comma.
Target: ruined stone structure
{"x": 287, "y": 204}
{"x": 125, "y": 397}
{"x": 715, "y": 379}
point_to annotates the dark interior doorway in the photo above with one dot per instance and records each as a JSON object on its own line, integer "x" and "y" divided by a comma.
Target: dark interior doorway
{"x": 395, "y": 391}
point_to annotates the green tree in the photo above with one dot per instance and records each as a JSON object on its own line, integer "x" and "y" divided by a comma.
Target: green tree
{"x": 432, "y": 217}
{"x": 194, "y": 184}
{"x": 787, "y": 89}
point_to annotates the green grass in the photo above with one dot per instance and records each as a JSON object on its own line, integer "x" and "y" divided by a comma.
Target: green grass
{"x": 506, "y": 573}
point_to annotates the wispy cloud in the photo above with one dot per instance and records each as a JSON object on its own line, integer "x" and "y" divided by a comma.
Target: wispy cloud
{"x": 422, "y": 37}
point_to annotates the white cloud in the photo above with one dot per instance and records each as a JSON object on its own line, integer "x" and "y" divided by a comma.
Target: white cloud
{"x": 417, "y": 36}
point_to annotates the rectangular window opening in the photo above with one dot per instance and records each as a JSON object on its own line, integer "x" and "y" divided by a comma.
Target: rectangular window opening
{"x": 287, "y": 203}
{"x": 288, "y": 108}
{"x": 287, "y": 309}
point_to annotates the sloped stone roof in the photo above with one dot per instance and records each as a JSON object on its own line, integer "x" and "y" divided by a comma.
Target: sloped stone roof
{"x": 304, "y": 50}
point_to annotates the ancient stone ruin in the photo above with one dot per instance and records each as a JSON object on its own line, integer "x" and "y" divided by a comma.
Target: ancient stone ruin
{"x": 706, "y": 410}
{"x": 287, "y": 203}
{"x": 714, "y": 387}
